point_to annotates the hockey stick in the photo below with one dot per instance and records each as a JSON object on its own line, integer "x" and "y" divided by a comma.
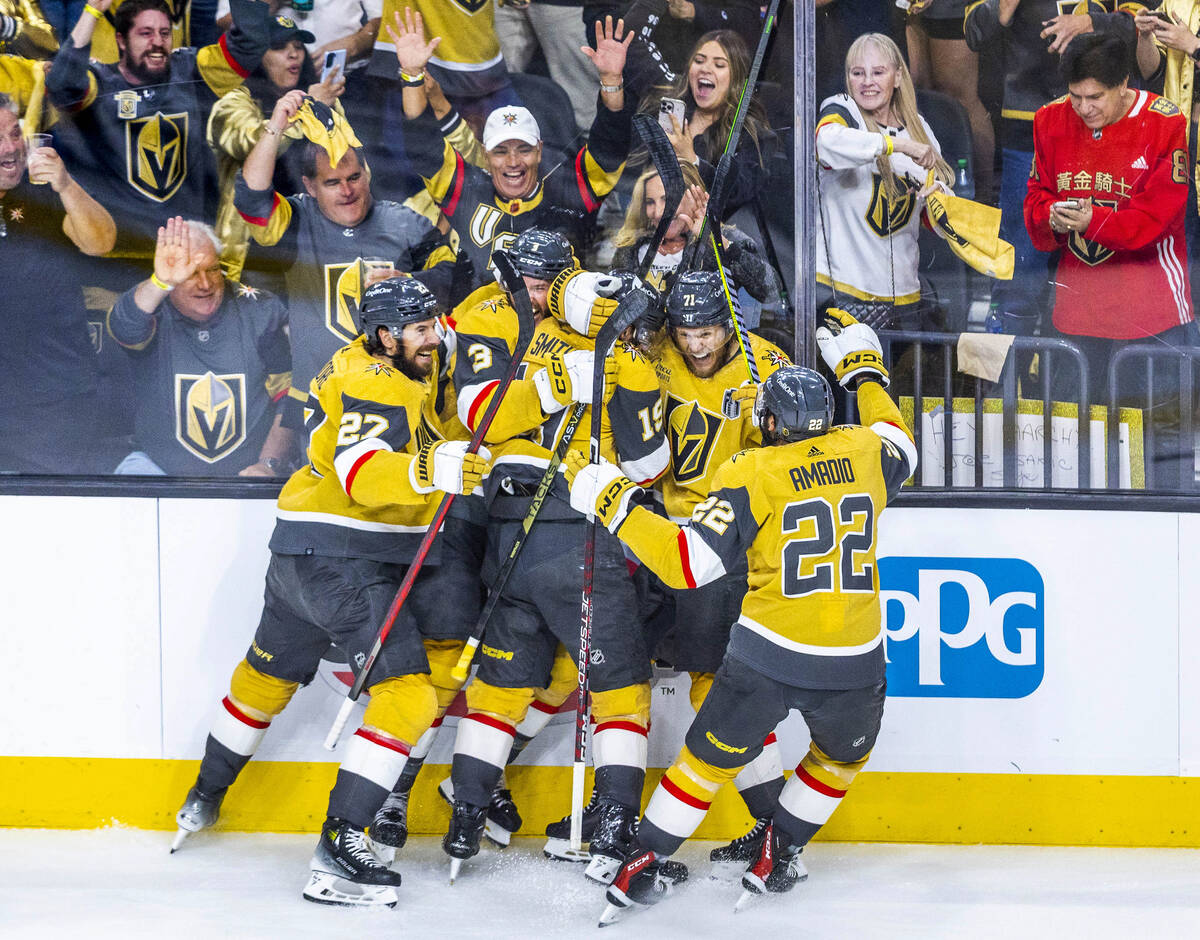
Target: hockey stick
{"x": 667, "y": 163}
{"x": 605, "y": 339}
{"x": 627, "y": 312}
{"x": 515, "y": 285}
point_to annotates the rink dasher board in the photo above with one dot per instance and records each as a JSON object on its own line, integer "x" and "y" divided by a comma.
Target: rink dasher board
{"x": 1043, "y": 705}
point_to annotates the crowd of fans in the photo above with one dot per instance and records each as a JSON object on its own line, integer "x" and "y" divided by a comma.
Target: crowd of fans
{"x": 424, "y": 134}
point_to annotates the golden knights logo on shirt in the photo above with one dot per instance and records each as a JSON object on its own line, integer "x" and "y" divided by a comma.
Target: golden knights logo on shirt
{"x": 884, "y": 216}
{"x": 210, "y": 414}
{"x": 156, "y": 154}
{"x": 693, "y": 431}
{"x": 341, "y": 300}
{"x": 1090, "y": 252}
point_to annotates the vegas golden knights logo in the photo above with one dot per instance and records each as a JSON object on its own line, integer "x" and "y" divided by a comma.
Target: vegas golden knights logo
{"x": 210, "y": 414}
{"x": 693, "y": 431}
{"x": 341, "y": 300}
{"x": 1090, "y": 252}
{"x": 887, "y": 218}
{"x": 156, "y": 154}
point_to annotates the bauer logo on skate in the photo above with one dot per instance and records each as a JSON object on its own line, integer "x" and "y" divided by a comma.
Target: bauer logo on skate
{"x": 963, "y": 627}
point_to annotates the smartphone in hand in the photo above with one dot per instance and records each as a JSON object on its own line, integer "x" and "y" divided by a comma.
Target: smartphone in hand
{"x": 668, "y": 108}
{"x": 333, "y": 60}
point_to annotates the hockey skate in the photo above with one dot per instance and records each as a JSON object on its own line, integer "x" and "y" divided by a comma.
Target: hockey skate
{"x": 345, "y": 871}
{"x": 462, "y": 838}
{"x": 558, "y": 835}
{"x": 503, "y": 819}
{"x": 730, "y": 861}
{"x": 639, "y": 882}
{"x": 389, "y": 829}
{"x": 199, "y": 811}
{"x": 611, "y": 840}
{"x": 776, "y": 870}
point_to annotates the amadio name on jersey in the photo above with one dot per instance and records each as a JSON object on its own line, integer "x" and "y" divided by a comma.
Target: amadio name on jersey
{"x": 963, "y": 627}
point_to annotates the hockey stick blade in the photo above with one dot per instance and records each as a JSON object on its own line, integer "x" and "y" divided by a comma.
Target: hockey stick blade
{"x": 662, "y": 154}
{"x": 524, "y": 310}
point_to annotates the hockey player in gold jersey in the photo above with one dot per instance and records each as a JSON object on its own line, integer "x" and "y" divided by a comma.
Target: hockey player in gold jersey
{"x": 697, "y": 366}
{"x": 803, "y": 512}
{"x": 535, "y": 626}
{"x": 348, "y": 525}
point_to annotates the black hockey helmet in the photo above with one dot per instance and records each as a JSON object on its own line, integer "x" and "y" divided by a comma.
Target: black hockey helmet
{"x": 799, "y": 399}
{"x": 394, "y": 303}
{"x": 698, "y": 299}
{"x": 540, "y": 254}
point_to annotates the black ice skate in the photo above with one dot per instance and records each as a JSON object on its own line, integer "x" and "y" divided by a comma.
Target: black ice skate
{"x": 389, "y": 829}
{"x": 558, "y": 835}
{"x": 611, "y": 840}
{"x": 729, "y": 861}
{"x": 503, "y": 819}
{"x": 345, "y": 870}
{"x": 462, "y": 838}
{"x": 199, "y": 811}
{"x": 639, "y": 882}
{"x": 777, "y": 869}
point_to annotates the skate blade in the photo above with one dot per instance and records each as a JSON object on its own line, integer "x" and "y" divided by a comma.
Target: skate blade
{"x": 611, "y": 914}
{"x": 500, "y": 837}
{"x": 746, "y": 900}
{"x": 455, "y": 866}
{"x": 180, "y": 836}
{"x": 326, "y": 888}
{"x": 602, "y": 869}
{"x": 560, "y": 851}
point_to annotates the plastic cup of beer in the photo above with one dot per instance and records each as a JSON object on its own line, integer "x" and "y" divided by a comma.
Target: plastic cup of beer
{"x": 37, "y": 141}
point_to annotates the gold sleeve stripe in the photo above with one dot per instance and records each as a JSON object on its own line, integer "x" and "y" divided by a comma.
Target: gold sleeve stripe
{"x": 438, "y": 255}
{"x": 268, "y": 231}
{"x": 594, "y": 181}
{"x": 297, "y": 393}
{"x": 446, "y": 185}
{"x": 832, "y": 119}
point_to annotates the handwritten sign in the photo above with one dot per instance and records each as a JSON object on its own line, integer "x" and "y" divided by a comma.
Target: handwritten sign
{"x": 1030, "y": 451}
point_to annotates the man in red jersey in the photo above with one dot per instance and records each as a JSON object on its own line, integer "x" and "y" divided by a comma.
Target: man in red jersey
{"x": 1108, "y": 191}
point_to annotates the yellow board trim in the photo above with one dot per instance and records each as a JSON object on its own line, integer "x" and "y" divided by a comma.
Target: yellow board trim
{"x": 275, "y": 796}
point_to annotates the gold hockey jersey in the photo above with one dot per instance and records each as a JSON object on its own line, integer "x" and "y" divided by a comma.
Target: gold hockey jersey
{"x": 365, "y": 420}
{"x": 701, "y": 437}
{"x": 805, "y": 517}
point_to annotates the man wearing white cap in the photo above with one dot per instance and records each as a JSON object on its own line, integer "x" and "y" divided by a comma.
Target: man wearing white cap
{"x": 488, "y": 209}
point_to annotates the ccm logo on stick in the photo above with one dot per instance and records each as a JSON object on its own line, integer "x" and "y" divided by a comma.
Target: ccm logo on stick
{"x": 963, "y": 627}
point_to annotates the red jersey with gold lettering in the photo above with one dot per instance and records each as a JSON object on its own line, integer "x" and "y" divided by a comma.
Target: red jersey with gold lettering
{"x": 1126, "y": 276}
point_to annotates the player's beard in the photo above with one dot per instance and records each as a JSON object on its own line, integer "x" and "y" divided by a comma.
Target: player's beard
{"x": 408, "y": 365}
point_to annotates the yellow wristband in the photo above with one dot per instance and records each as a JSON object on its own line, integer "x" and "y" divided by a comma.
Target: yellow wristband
{"x": 889, "y": 146}
{"x": 88, "y": 8}
{"x": 159, "y": 283}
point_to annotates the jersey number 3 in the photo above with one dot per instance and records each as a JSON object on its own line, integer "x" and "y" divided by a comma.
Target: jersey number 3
{"x": 831, "y": 558}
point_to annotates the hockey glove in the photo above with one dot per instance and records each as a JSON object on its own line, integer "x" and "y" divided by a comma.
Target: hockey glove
{"x": 853, "y": 352}
{"x": 583, "y": 300}
{"x": 734, "y": 398}
{"x": 565, "y": 379}
{"x": 599, "y": 489}
{"x": 446, "y": 466}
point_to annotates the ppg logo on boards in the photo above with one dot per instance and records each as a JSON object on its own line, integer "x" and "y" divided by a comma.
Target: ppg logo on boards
{"x": 963, "y": 627}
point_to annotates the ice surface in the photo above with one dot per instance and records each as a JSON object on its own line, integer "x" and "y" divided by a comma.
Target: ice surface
{"x": 122, "y": 883}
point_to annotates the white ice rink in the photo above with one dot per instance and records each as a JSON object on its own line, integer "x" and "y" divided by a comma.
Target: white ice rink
{"x": 122, "y": 883}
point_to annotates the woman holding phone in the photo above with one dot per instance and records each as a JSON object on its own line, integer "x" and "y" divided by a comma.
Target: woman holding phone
{"x": 709, "y": 91}
{"x": 239, "y": 118}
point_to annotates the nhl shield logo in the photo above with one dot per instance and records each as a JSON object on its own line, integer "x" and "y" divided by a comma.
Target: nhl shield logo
{"x": 693, "y": 431}
{"x": 210, "y": 414}
{"x": 156, "y": 154}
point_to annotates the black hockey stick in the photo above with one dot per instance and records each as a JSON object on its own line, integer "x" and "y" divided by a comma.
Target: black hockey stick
{"x": 605, "y": 339}
{"x": 627, "y": 312}
{"x": 662, "y": 154}
{"x": 515, "y": 285}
